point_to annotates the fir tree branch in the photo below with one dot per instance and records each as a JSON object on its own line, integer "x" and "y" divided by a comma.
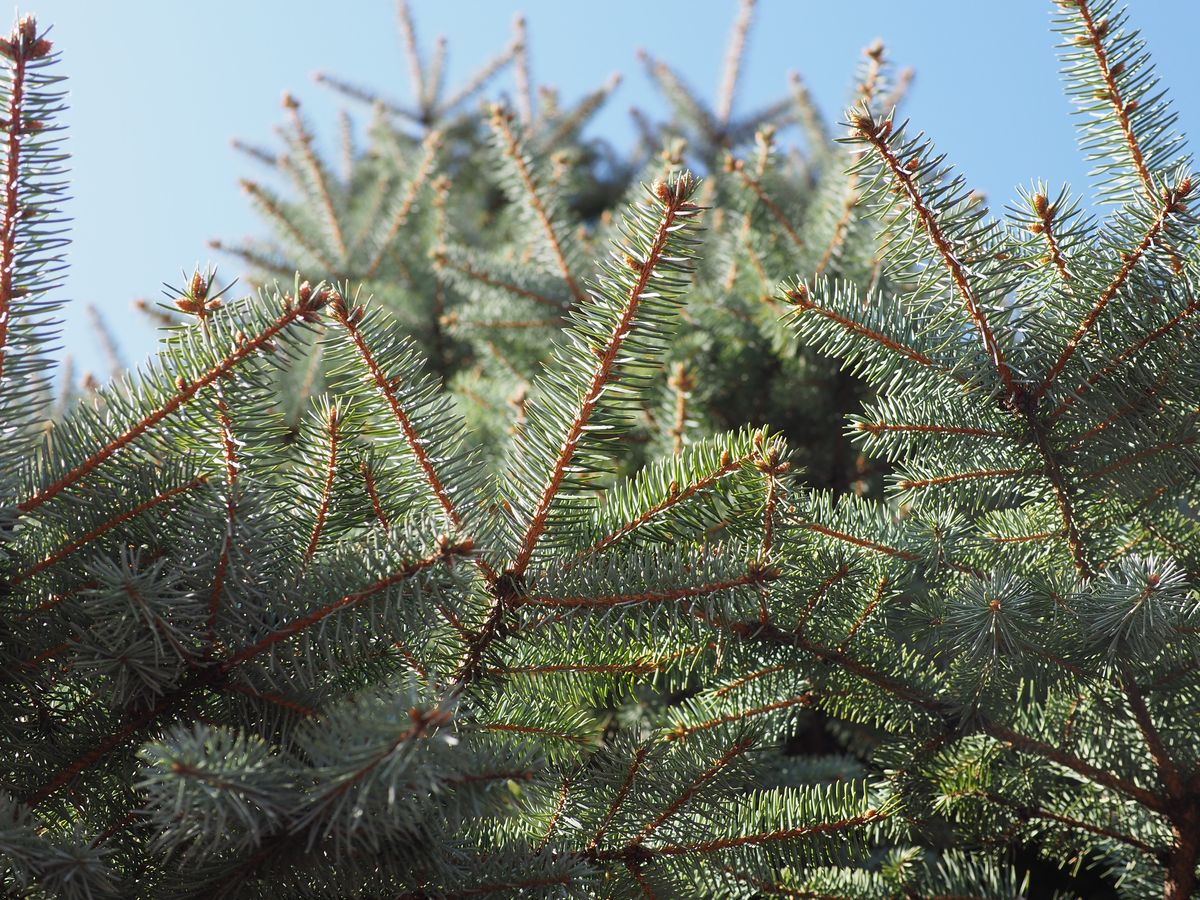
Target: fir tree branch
{"x": 1167, "y": 771}
{"x": 841, "y": 572}
{"x": 270, "y": 208}
{"x": 674, "y": 200}
{"x": 733, "y": 61}
{"x": 1127, "y": 353}
{"x": 412, "y": 52}
{"x": 502, "y": 125}
{"x": 864, "y": 615}
{"x": 300, "y": 310}
{"x": 317, "y": 173}
{"x": 1096, "y": 32}
{"x": 770, "y": 837}
{"x": 881, "y": 427}
{"x": 229, "y": 453}
{"x": 332, "y": 430}
{"x": 755, "y": 576}
{"x": 521, "y": 71}
{"x": 618, "y": 798}
{"x": 682, "y": 731}
{"x": 727, "y": 466}
{"x": 771, "y": 206}
{"x": 954, "y": 477}
{"x": 1128, "y": 264}
{"x": 943, "y": 711}
{"x": 491, "y": 281}
{"x": 682, "y": 384}
{"x": 429, "y": 151}
{"x": 443, "y": 555}
{"x": 735, "y": 750}
{"x": 800, "y": 298}
{"x": 372, "y": 492}
{"x": 98, "y": 531}
{"x": 22, "y": 48}
{"x": 350, "y": 321}
{"x": 905, "y": 183}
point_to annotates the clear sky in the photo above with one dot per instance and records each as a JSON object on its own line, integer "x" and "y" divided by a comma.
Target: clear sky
{"x": 158, "y": 88}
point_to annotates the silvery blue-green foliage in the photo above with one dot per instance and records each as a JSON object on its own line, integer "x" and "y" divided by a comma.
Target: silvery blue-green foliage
{"x": 476, "y": 230}
{"x": 1036, "y": 396}
{"x": 322, "y": 643}
{"x": 250, "y": 653}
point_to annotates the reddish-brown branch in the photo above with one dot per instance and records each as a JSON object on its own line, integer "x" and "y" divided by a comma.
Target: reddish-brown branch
{"x": 348, "y": 321}
{"x": 864, "y": 615}
{"x": 432, "y": 143}
{"x": 842, "y": 571}
{"x": 771, "y": 205}
{"x": 733, "y": 61}
{"x": 719, "y": 764}
{"x": 1024, "y": 538}
{"x": 305, "y": 622}
{"x": 877, "y": 428}
{"x": 373, "y": 493}
{"x": 673, "y": 202}
{"x": 943, "y": 710}
{"x": 229, "y": 453}
{"x": 212, "y": 674}
{"x": 681, "y": 731}
{"x": 282, "y": 221}
{"x": 1025, "y": 812}
{"x": 953, "y": 477}
{"x": 12, "y": 193}
{"x": 727, "y": 467}
{"x": 536, "y": 729}
{"x": 275, "y": 699}
{"x": 1134, "y": 348}
{"x": 746, "y": 679}
{"x": 800, "y": 299}
{"x": 861, "y": 542}
{"x": 1056, "y": 475}
{"x": 556, "y": 815}
{"x": 316, "y": 172}
{"x": 327, "y": 491}
{"x": 619, "y": 797}
{"x": 441, "y": 259}
{"x": 757, "y": 576}
{"x": 503, "y": 127}
{"x": 1114, "y": 286}
{"x": 682, "y": 383}
{"x": 262, "y": 340}
{"x": 769, "y": 837}
{"x": 907, "y": 185}
{"x": 102, "y": 529}
{"x": 1168, "y": 773}
{"x": 1113, "y": 94}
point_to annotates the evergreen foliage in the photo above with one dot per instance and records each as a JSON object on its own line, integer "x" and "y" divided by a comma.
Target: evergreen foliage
{"x": 285, "y": 615}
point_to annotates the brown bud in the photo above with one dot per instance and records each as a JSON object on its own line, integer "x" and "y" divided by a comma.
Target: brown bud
{"x": 1037, "y": 227}
{"x": 662, "y": 191}
{"x": 304, "y": 292}
{"x": 199, "y": 286}
{"x": 1040, "y": 204}
{"x": 180, "y": 382}
{"x": 673, "y": 489}
{"x": 913, "y": 164}
{"x": 289, "y": 102}
{"x": 1130, "y": 106}
{"x": 725, "y": 458}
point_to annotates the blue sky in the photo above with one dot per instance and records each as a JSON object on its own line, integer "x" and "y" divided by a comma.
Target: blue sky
{"x": 158, "y": 88}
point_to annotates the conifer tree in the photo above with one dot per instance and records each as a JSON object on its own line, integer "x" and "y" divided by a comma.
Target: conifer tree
{"x": 476, "y": 227}
{"x": 253, "y": 646}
